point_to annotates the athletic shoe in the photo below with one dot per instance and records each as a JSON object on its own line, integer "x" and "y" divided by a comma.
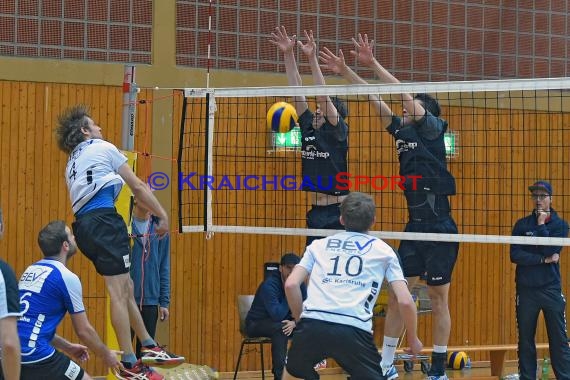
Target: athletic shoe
{"x": 138, "y": 372}
{"x": 435, "y": 377}
{"x": 390, "y": 373}
{"x": 158, "y": 356}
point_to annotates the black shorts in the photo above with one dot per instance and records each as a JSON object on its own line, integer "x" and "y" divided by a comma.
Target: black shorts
{"x": 352, "y": 348}
{"x": 433, "y": 258}
{"x": 325, "y": 218}
{"x": 102, "y": 236}
{"x": 56, "y": 367}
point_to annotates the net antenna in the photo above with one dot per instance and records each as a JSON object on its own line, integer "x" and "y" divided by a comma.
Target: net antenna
{"x": 232, "y": 181}
{"x": 209, "y": 56}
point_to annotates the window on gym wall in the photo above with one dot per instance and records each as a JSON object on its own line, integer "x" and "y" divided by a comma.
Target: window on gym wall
{"x": 91, "y": 30}
{"x": 414, "y": 40}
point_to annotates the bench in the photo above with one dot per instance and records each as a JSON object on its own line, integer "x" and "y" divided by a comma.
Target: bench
{"x": 497, "y": 353}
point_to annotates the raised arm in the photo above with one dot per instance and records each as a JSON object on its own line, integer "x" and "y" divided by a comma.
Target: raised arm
{"x": 363, "y": 51}
{"x": 337, "y": 64}
{"x": 310, "y": 50}
{"x": 281, "y": 39}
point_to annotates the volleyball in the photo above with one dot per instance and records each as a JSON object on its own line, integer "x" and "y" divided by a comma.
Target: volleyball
{"x": 281, "y": 117}
{"x": 457, "y": 359}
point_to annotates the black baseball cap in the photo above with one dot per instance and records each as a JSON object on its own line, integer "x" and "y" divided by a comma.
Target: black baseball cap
{"x": 290, "y": 258}
{"x": 541, "y": 185}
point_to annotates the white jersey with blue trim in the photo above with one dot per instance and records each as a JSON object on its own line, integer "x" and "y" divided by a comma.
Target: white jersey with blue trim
{"x": 93, "y": 165}
{"x": 47, "y": 291}
{"x": 346, "y": 273}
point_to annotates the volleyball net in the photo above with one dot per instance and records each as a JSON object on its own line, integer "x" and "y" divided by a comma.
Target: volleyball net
{"x": 237, "y": 175}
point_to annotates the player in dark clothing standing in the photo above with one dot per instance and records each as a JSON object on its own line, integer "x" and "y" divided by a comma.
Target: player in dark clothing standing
{"x": 270, "y": 314}
{"x": 9, "y": 314}
{"x": 538, "y": 285}
{"x": 324, "y": 136}
{"x": 421, "y": 151}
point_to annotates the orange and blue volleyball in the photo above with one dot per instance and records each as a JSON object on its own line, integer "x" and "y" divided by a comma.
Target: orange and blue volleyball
{"x": 281, "y": 117}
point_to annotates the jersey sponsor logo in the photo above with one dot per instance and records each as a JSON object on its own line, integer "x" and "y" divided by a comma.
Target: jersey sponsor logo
{"x": 355, "y": 244}
{"x": 404, "y": 146}
{"x": 72, "y": 370}
{"x": 34, "y": 278}
{"x": 311, "y": 153}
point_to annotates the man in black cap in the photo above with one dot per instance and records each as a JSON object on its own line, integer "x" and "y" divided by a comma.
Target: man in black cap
{"x": 538, "y": 285}
{"x": 270, "y": 315}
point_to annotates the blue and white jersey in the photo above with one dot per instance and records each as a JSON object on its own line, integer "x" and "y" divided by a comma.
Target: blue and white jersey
{"x": 47, "y": 291}
{"x": 93, "y": 165}
{"x": 346, "y": 272}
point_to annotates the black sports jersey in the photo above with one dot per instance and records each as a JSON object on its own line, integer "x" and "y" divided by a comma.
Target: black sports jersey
{"x": 324, "y": 154}
{"x": 421, "y": 151}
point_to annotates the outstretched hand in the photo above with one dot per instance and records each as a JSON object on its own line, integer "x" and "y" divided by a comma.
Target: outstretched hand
{"x": 281, "y": 39}
{"x": 363, "y": 50}
{"x": 331, "y": 61}
{"x": 309, "y": 48}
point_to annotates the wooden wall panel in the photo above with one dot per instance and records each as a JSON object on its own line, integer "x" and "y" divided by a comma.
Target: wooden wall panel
{"x": 209, "y": 272}
{"x": 482, "y": 292}
{"x": 33, "y": 190}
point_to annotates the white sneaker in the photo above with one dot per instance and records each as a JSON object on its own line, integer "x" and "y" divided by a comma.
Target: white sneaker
{"x": 390, "y": 373}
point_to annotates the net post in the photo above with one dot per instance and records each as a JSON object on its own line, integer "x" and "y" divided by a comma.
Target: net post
{"x": 130, "y": 91}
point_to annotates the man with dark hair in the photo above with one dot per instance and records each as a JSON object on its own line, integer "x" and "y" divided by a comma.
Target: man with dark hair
{"x": 539, "y": 285}
{"x": 324, "y": 136}
{"x": 345, "y": 273}
{"x": 9, "y": 314}
{"x": 270, "y": 315}
{"x": 94, "y": 174}
{"x": 48, "y": 290}
{"x": 418, "y": 135}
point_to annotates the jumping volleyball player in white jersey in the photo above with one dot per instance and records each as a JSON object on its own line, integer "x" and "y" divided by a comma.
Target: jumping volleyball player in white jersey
{"x": 95, "y": 173}
{"x": 346, "y": 271}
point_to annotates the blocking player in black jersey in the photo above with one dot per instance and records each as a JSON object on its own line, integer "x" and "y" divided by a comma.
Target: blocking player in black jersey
{"x": 418, "y": 135}
{"x": 324, "y": 135}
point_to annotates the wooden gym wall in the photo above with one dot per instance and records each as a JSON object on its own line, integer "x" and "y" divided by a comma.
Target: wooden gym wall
{"x": 482, "y": 292}
{"x": 33, "y": 190}
{"x": 207, "y": 275}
